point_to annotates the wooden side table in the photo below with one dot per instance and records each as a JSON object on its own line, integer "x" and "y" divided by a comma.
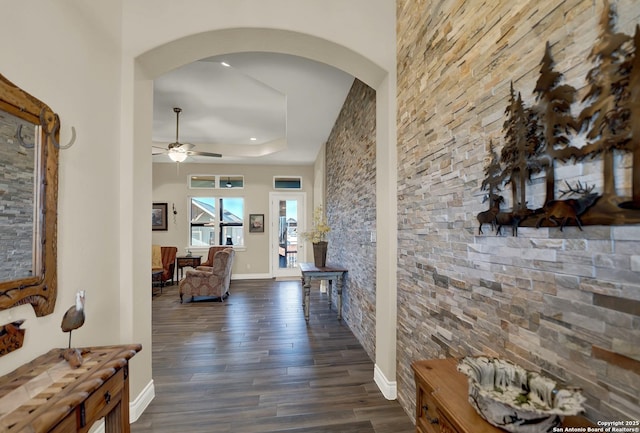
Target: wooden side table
{"x": 184, "y": 261}
{"x": 47, "y": 395}
{"x": 330, "y": 273}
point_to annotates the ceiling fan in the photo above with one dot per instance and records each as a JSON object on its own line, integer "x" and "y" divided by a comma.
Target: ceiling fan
{"x": 177, "y": 151}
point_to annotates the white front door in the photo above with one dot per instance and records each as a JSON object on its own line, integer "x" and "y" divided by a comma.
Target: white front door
{"x": 287, "y": 221}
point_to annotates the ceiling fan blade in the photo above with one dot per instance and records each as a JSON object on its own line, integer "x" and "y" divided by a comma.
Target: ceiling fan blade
{"x": 195, "y": 152}
{"x": 155, "y": 150}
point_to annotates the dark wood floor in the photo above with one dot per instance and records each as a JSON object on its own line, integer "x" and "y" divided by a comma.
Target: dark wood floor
{"x": 252, "y": 364}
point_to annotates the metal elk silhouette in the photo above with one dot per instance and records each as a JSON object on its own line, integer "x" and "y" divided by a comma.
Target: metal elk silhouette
{"x": 559, "y": 212}
{"x": 489, "y": 216}
{"x": 541, "y": 137}
{"x": 512, "y": 219}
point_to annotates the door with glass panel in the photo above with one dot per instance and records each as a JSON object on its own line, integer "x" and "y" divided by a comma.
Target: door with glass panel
{"x": 287, "y": 222}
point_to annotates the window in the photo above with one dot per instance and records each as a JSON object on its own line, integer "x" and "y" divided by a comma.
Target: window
{"x": 211, "y": 181}
{"x": 231, "y": 181}
{"x": 287, "y": 182}
{"x": 216, "y": 221}
{"x": 202, "y": 181}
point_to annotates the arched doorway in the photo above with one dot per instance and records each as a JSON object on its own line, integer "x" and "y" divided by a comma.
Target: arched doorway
{"x": 137, "y": 159}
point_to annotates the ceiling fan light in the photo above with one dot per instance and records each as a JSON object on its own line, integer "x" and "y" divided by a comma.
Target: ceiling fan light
{"x": 177, "y": 155}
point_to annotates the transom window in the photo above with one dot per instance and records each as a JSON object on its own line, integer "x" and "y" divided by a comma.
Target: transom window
{"x": 202, "y": 181}
{"x": 287, "y": 182}
{"x": 212, "y": 181}
{"x": 216, "y": 221}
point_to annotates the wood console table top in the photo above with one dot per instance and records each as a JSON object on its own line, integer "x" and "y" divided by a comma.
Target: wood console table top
{"x": 442, "y": 401}
{"x": 47, "y": 395}
{"x": 330, "y": 269}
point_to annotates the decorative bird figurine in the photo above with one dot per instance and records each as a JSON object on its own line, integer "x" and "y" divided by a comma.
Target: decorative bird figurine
{"x": 73, "y": 319}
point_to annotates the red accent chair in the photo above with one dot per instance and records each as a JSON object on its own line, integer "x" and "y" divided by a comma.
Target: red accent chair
{"x": 168, "y": 264}
{"x": 211, "y": 255}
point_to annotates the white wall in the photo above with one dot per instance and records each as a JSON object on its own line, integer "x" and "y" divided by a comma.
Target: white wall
{"x": 93, "y": 63}
{"x": 170, "y": 186}
{"x": 70, "y": 60}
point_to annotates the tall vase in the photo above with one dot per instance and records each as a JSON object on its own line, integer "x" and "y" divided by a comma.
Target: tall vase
{"x": 320, "y": 253}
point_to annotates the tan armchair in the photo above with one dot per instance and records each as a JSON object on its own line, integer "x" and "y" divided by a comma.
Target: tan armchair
{"x": 209, "y": 281}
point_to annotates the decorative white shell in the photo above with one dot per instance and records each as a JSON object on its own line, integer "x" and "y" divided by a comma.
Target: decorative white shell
{"x": 517, "y": 400}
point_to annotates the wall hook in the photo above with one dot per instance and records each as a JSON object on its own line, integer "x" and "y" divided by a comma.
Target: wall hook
{"x": 69, "y": 144}
{"x": 21, "y": 140}
{"x": 50, "y": 123}
{"x": 53, "y": 119}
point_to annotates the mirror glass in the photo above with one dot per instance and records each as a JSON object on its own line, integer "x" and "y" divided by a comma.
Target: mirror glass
{"x": 18, "y": 199}
{"x": 28, "y": 200}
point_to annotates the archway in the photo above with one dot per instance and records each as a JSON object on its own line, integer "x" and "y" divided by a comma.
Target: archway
{"x": 136, "y": 160}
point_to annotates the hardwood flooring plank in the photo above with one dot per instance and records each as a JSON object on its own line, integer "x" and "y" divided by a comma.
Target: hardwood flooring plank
{"x": 354, "y": 427}
{"x": 252, "y": 364}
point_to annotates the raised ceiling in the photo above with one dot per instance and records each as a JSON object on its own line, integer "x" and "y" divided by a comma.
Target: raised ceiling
{"x": 253, "y": 108}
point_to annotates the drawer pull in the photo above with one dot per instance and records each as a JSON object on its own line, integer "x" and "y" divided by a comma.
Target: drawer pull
{"x": 107, "y": 397}
{"x": 425, "y": 408}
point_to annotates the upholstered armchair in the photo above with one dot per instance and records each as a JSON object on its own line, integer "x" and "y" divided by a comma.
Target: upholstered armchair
{"x": 209, "y": 281}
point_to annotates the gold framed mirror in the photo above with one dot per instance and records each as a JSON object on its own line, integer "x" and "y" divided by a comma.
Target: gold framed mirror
{"x": 28, "y": 200}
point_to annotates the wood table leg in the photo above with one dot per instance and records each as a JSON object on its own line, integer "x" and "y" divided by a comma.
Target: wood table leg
{"x": 307, "y": 290}
{"x": 330, "y": 292}
{"x": 339, "y": 285}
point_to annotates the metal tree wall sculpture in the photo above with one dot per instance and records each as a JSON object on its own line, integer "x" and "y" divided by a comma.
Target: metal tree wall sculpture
{"x": 537, "y": 137}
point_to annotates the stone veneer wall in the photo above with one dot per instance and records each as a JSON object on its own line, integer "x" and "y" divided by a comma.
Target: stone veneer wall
{"x": 564, "y": 303}
{"x": 351, "y": 208}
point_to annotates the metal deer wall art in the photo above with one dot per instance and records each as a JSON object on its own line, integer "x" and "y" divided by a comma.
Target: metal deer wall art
{"x": 540, "y": 137}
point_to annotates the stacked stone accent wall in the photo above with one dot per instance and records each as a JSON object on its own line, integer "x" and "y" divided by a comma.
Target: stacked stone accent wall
{"x": 351, "y": 208}
{"x": 563, "y": 303}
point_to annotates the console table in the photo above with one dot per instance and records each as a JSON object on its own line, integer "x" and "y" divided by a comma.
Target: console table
{"x": 184, "y": 261}
{"x": 330, "y": 273}
{"x": 442, "y": 401}
{"x": 47, "y": 395}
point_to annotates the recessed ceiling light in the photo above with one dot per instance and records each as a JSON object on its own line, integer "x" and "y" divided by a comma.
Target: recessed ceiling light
{"x": 225, "y": 64}
{"x": 253, "y": 139}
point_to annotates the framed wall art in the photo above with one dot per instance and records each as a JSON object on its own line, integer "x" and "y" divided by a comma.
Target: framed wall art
{"x": 159, "y": 216}
{"x": 256, "y": 223}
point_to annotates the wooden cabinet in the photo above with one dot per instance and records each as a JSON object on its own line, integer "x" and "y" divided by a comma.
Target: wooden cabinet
{"x": 47, "y": 395}
{"x": 442, "y": 405}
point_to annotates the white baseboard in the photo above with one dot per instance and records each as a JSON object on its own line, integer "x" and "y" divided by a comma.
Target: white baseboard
{"x": 140, "y": 403}
{"x": 235, "y": 276}
{"x": 389, "y": 388}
